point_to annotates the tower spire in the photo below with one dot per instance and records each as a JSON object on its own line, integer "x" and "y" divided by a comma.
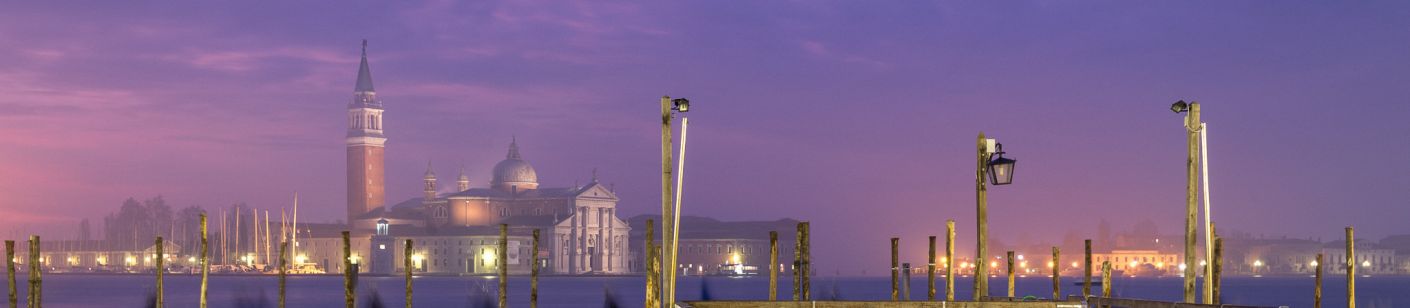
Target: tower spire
{"x": 364, "y": 73}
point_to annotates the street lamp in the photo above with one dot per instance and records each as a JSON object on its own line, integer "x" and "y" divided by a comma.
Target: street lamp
{"x": 1001, "y": 168}
{"x": 670, "y": 211}
{"x": 1000, "y": 172}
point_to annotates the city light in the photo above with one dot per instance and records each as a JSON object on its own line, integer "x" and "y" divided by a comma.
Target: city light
{"x": 1257, "y": 263}
{"x": 1366, "y": 263}
{"x": 487, "y": 256}
{"x": 300, "y": 259}
{"x": 1182, "y": 266}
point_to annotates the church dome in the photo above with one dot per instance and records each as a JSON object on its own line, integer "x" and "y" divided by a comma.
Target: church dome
{"x": 514, "y": 172}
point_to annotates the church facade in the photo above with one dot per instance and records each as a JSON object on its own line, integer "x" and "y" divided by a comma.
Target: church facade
{"x": 458, "y": 232}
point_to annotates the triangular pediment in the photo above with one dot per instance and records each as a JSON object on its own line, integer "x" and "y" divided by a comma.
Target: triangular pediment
{"x": 596, "y": 191}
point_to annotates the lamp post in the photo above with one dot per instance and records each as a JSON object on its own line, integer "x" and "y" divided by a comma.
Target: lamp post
{"x": 1000, "y": 172}
{"x": 670, "y": 211}
{"x": 1194, "y": 130}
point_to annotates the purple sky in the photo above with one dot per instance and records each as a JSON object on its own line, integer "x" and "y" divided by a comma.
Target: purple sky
{"x": 857, "y": 116}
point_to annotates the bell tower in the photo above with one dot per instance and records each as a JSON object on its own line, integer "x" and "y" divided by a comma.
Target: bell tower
{"x": 366, "y": 142}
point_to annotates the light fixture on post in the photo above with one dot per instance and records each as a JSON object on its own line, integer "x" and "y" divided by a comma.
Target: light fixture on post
{"x": 670, "y": 211}
{"x": 1001, "y": 168}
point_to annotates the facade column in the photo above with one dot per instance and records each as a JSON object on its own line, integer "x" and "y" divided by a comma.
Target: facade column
{"x": 581, "y": 253}
{"x": 601, "y": 253}
{"x": 571, "y": 255}
{"x": 611, "y": 239}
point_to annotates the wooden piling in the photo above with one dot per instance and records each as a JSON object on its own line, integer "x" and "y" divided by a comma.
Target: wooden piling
{"x": 503, "y": 265}
{"x": 773, "y": 266}
{"x": 653, "y": 275}
{"x": 205, "y": 261}
{"x": 1106, "y": 279}
{"x": 408, "y": 267}
{"x": 349, "y": 294}
{"x": 806, "y": 275}
{"x": 798, "y": 264}
{"x": 10, "y": 273}
{"x": 1350, "y": 268}
{"x": 1087, "y": 268}
{"x": 161, "y": 268}
{"x": 930, "y": 272}
{"x": 1011, "y": 280}
{"x": 895, "y": 269}
{"x": 36, "y": 270}
{"x": 1057, "y": 275}
{"x": 950, "y": 260}
{"x": 283, "y": 270}
{"x": 1317, "y": 291}
{"x": 533, "y": 274}
{"x": 1192, "y": 132}
{"x": 1217, "y": 273}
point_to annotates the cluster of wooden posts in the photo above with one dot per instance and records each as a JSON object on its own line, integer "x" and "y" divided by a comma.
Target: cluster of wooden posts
{"x": 349, "y": 271}
{"x": 1217, "y": 264}
{"x": 802, "y": 266}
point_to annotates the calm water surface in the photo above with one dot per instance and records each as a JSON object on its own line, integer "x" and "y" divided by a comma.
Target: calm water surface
{"x": 326, "y": 291}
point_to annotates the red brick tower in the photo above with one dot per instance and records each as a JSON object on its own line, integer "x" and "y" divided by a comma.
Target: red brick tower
{"x": 366, "y": 191}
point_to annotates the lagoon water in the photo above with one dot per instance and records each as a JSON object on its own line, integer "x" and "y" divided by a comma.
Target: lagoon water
{"x": 326, "y": 291}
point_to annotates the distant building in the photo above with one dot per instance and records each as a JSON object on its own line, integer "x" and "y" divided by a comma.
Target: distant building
{"x": 1138, "y": 262}
{"x": 457, "y": 232}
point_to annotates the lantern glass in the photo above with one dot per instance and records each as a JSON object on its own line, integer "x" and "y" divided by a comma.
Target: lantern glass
{"x": 1001, "y": 170}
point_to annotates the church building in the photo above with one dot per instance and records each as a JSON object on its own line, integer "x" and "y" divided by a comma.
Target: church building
{"x": 458, "y": 232}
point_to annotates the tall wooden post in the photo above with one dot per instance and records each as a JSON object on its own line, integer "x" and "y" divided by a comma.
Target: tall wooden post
{"x": 653, "y": 273}
{"x": 981, "y": 264}
{"x": 1010, "y": 276}
{"x": 283, "y": 270}
{"x": 1087, "y": 268}
{"x": 930, "y": 272}
{"x": 1317, "y": 292}
{"x": 10, "y": 273}
{"x": 161, "y": 268}
{"x": 36, "y": 270}
{"x": 533, "y": 274}
{"x": 667, "y": 210}
{"x": 1192, "y": 123}
{"x": 1350, "y": 268}
{"x": 1057, "y": 275}
{"x": 895, "y": 269}
{"x": 806, "y": 275}
{"x": 205, "y": 261}
{"x": 503, "y": 265}
{"x": 1106, "y": 280}
{"x": 950, "y": 260}
{"x": 773, "y": 266}
{"x": 349, "y": 294}
{"x": 408, "y": 267}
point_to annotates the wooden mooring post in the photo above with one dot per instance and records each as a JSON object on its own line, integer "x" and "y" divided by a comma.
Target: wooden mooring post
{"x": 533, "y": 274}
{"x": 408, "y": 266}
{"x": 1317, "y": 291}
{"x": 10, "y": 273}
{"x": 1011, "y": 280}
{"x": 36, "y": 278}
{"x": 895, "y": 269}
{"x": 1217, "y": 271}
{"x": 1350, "y": 268}
{"x": 1057, "y": 275}
{"x": 950, "y": 260}
{"x": 349, "y": 289}
{"x": 205, "y": 261}
{"x": 1106, "y": 279}
{"x": 930, "y": 272}
{"x": 161, "y": 268}
{"x": 283, "y": 271}
{"x": 1087, "y": 268}
{"x": 798, "y": 264}
{"x": 503, "y": 265}
{"x": 806, "y": 275}
{"x": 653, "y": 274}
{"x": 773, "y": 266}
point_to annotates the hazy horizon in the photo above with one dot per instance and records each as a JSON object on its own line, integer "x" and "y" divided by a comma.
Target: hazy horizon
{"x": 860, "y": 117}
